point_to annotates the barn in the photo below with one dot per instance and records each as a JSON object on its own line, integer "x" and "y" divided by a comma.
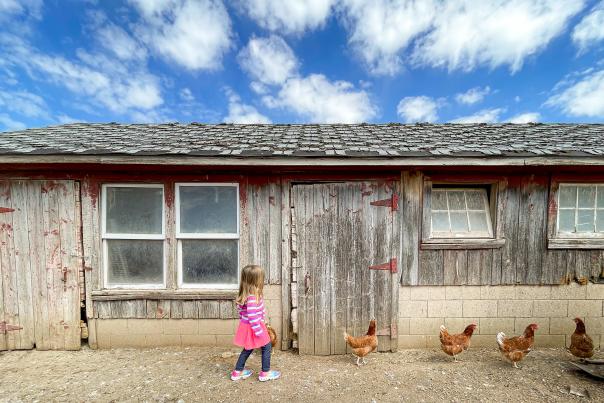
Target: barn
{"x": 133, "y": 235}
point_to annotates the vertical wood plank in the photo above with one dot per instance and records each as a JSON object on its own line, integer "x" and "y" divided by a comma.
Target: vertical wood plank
{"x": 431, "y": 267}
{"x": 510, "y": 218}
{"x": 455, "y": 267}
{"x": 303, "y": 210}
{"x": 171, "y": 242}
{"x": 411, "y": 226}
{"x": 537, "y": 230}
{"x": 286, "y": 269}
{"x": 208, "y": 309}
{"x": 395, "y": 280}
{"x": 10, "y": 307}
{"x": 274, "y": 230}
{"x": 321, "y": 219}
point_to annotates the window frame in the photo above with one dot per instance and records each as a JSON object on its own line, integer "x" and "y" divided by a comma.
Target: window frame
{"x": 556, "y": 240}
{"x": 179, "y": 236}
{"x": 578, "y": 235}
{"x": 152, "y": 237}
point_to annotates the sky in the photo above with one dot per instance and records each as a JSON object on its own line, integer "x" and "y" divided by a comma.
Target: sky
{"x": 300, "y": 61}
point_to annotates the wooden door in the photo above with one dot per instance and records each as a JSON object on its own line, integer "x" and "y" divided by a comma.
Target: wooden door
{"x": 346, "y": 242}
{"x": 39, "y": 265}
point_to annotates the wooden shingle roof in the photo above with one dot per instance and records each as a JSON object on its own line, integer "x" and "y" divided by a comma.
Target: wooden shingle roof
{"x": 309, "y": 140}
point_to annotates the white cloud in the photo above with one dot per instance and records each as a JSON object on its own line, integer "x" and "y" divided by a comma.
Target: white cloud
{"x": 186, "y": 95}
{"x": 195, "y": 34}
{"x": 467, "y": 34}
{"x": 120, "y": 43}
{"x": 418, "y": 109}
{"x": 580, "y": 94}
{"x": 319, "y": 100}
{"x": 528, "y": 117}
{"x": 483, "y": 116}
{"x": 243, "y": 113}
{"x": 380, "y": 29}
{"x": 8, "y": 124}
{"x": 473, "y": 95}
{"x": 591, "y": 28}
{"x": 289, "y": 17}
{"x": 65, "y": 119}
{"x": 32, "y": 8}
{"x": 268, "y": 60}
{"x": 23, "y": 103}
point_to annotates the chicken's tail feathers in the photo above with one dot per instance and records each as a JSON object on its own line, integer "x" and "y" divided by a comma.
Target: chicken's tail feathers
{"x": 346, "y": 336}
{"x": 500, "y": 337}
{"x": 443, "y": 328}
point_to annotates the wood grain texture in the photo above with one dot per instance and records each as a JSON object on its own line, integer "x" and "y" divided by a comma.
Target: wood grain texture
{"x": 411, "y": 224}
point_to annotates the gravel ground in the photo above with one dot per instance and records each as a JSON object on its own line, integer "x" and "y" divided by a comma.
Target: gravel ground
{"x": 200, "y": 374}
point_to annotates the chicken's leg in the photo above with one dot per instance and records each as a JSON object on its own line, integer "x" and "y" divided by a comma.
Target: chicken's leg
{"x": 358, "y": 358}
{"x": 454, "y": 358}
{"x": 516, "y": 365}
{"x": 364, "y": 361}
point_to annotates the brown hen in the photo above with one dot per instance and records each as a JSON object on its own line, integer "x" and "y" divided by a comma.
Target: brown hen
{"x": 581, "y": 345}
{"x": 363, "y": 345}
{"x": 516, "y": 348}
{"x": 454, "y": 344}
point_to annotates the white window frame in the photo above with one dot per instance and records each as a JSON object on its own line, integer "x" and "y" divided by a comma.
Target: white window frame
{"x": 180, "y": 236}
{"x": 462, "y": 235}
{"x": 157, "y": 237}
{"x": 578, "y": 235}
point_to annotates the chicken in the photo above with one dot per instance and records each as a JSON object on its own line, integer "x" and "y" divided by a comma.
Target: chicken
{"x": 272, "y": 334}
{"x": 516, "y": 348}
{"x": 363, "y": 345}
{"x": 454, "y": 344}
{"x": 581, "y": 345}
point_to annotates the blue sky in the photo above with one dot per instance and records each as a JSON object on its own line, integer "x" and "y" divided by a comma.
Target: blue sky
{"x": 304, "y": 61}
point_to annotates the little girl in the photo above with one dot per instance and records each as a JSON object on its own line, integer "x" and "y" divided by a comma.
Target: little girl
{"x": 252, "y": 332}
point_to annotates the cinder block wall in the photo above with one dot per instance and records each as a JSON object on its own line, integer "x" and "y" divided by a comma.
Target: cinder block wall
{"x": 142, "y": 333}
{"x": 494, "y": 309}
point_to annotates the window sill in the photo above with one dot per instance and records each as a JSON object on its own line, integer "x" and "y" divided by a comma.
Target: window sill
{"x": 575, "y": 243}
{"x": 116, "y": 295}
{"x": 468, "y": 243}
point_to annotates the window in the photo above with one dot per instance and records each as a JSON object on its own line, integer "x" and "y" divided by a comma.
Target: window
{"x": 580, "y": 210}
{"x": 460, "y": 213}
{"x": 133, "y": 233}
{"x": 207, "y": 231}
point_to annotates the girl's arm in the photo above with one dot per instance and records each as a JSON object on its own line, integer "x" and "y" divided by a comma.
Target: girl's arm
{"x": 255, "y": 314}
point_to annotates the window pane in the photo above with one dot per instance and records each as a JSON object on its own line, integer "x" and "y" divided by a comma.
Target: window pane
{"x": 585, "y": 220}
{"x": 476, "y": 200}
{"x": 440, "y": 222}
{"x": 135, "y": 262}
{"x": 459, "y": 222}
{"x": 601, "y": 196}
{"x": 209, "y": 261}
{"x": 566, "y": 220}
{"x": 478, "y": 221}
{"x": 587, "y": 196}
{"x": 456, "y": 200}
{"x": 439, "y": 200}
{"x": 568, "y": 196}
{"x": 134, "y": 210}
{"x": 600, "y": 221}
{"x": 208, "y": 209}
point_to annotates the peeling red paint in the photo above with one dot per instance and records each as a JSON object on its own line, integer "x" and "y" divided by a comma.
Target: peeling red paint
{"x": 366, "y": 193}
{"x": 271, "y": 200}
{"x": 6, "y": 210}
{"x": 6, "y": 227}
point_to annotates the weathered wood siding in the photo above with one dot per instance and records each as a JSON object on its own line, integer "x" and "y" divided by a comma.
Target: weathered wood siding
{"x": 165, "y": 309}
{"x": 521, "y": 219}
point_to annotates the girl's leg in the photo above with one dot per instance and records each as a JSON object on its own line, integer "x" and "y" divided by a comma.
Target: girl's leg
{"x": 245, "y": 354}
{"x": 266, "y": 357}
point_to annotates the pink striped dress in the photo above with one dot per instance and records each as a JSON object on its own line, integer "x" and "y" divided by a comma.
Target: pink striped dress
{"x": 251, "y": 332}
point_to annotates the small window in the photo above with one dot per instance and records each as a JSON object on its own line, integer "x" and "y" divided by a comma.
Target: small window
{"x": 133, "y": 236}
{"x": 460, "y": 213}
{"x": 580, "y": 210}
{"x": 207, "y": 231}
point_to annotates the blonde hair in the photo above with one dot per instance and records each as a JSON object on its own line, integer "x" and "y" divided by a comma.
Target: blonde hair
{"x": 252, "y": 283}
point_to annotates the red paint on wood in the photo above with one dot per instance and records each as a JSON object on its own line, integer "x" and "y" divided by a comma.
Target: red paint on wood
{"x": 392, "y": 266}
{"x": 6, "y": 210}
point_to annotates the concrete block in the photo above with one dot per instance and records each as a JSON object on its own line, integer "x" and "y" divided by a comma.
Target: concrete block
{"x": 419, "y": 293}
{"x": 163, "y": 340}
{"x": 198, "y": 340}
{"x": 582, "y": 308}
{"x": 217, "y": 326}
{"x": 550, "y": 308}
{"x": 433, "y": 341}
{"x": 492, "y": 326}
{"x": 180, "y": 326}
{"x": 128, "y": 341}
{"x": 514, "y": 308}
{"x": 457, "y": 325}
{"x": 533, "y": 292}
{"x": 224, "y": 340}
{"x": 542, "y": 340}
{"x": 497, "y": 292}
{"x": 145, "y": 326}
{"x": 470, "y": 292}
{"x": 595, "y": 291}
{"x": 563, "y": 325}
{"x": 483, "y": 340}
{"x": 111, "y": 326}
{"x": 479, "y": 308}
{"x": 414, "y": 309}
{"x": 406, "y": 341}
{"x": 453, "y": 292}
{"x": 594, "y": 325}
{"x": 444, "y": 308}
{"x": 425, "y": 326}
{"x": 521, "y": 323}
{"x": 570, "y": 291}
{"x": 404, "y": 293}
{"x": 103, "y": 341}
{"x": 403, "y": 326}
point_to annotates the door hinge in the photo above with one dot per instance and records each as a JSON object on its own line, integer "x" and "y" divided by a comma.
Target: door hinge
{"x": 5, "y": 327}
{"x": 391, "y": 202}
{"x": 6, "y": 210}
{"x": 392, "y": 265}
{"x": 389, "y": 331}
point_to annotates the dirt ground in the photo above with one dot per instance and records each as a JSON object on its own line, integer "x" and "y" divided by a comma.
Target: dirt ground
{"x": 201, "y": 374}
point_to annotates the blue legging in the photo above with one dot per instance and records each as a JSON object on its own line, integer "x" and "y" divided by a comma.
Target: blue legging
{"x": 266, "y": 358}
